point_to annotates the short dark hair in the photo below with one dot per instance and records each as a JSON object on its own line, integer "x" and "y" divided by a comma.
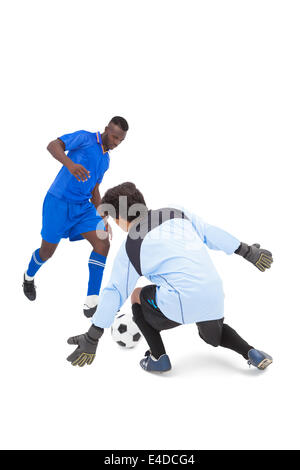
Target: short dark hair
{"x": 121, "y": 122}
{"x": 118, "y": 209}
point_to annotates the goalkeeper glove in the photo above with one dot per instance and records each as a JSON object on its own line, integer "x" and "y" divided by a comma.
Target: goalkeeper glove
{"x": 87, "y": 346}
{"x": 262, "y": 259}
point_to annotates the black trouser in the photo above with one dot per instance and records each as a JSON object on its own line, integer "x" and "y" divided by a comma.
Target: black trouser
{"x": 214, "y": 332}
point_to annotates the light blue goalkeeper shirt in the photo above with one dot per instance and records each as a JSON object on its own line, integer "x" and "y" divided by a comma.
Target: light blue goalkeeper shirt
{"x": 174, "y": 256}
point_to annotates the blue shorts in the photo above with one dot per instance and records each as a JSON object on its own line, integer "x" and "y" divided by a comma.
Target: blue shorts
{"x": 63, "y": 219}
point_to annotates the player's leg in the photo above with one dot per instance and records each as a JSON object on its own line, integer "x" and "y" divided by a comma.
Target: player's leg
{"x": 216, "y": 333}
{"x": 151, "y": 321}
{"x": 55, "y": 215}
{"x": 47, "y": 250}
{"x": 38, "y": 259}
{"x": 231, "y": 340}
{"x": 96, "y": 263}
{"x": 151, "y": 335}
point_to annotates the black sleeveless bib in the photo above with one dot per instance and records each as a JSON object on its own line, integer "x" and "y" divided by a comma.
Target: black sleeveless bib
{"x": 138, "y": 232}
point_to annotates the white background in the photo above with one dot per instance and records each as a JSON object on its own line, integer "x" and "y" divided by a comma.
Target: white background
{"x": 211, "y": 93}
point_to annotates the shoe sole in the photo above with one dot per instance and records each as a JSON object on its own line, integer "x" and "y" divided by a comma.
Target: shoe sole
{"x": 155, "y": 371}
{"x": 264, "y": 364}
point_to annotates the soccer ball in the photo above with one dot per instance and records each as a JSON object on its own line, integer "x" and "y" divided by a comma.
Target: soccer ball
{"x": 125, "y": 331}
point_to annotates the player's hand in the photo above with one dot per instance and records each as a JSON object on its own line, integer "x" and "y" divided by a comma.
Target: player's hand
{"x": 80, "y": 173}
{"x": 262, "y": 259}
{"x": 86, "y": 346}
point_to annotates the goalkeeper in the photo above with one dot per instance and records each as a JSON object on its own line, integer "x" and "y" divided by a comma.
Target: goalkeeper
{"x": 169, "y": 247}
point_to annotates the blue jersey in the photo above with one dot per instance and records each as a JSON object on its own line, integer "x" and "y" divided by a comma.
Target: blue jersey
{"x": 175, "y": 258}
{"x": 86, "y": 149}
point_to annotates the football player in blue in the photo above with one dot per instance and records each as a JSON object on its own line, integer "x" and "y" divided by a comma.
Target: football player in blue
{"x": 70, "y": 205}
{"x": 169, "y": 247}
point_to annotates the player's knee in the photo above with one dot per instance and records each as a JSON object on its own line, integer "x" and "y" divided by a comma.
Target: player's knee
{"x": 137, "y": 313}
{"x": 102, "y": 246}
{"x": 213, "y": 342}
{"x": 46, "y": 254}
{"x": 211, "y": 339}
{"x": 135, "y": 296}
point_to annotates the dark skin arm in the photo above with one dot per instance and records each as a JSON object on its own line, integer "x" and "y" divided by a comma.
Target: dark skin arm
{"x": 96, "y": 200}
{"x": 57, "y": 150}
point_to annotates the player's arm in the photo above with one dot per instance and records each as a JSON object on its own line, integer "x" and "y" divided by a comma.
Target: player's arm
{"x": 57, "y": 149}
{"x": 218, "y": 239}
{"x": 122, "y": 282}
{"x": 96, "y": 198}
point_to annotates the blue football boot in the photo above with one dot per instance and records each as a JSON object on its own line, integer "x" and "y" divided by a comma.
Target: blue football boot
{"x": 150, "y": 364}
{"x": 259, "y": 359}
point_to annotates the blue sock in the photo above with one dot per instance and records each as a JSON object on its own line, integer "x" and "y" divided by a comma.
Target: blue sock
{"x": 35, "y": 263}
{"x": 96, "y": 268}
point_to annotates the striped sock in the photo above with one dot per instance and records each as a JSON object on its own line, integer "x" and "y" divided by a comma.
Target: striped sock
{"x": 96, "y": 268}
{"x": 35, "y": 263}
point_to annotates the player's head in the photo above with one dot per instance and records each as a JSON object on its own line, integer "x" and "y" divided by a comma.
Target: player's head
{"x": 114, "y": 133}
{"x": 124, "y": 203}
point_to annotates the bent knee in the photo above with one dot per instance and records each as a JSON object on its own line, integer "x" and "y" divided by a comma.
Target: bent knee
{"x": 211, "y": 332}
{"x": 211, "y": 339}
{"x": 135, "y": 296}
{"x": 212, "y": 342}
{"x": 47, "y": 254}
{"x": 102, "y": 246}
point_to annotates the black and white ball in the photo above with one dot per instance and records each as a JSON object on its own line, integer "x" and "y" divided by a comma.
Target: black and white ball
{"x": 124, "y": 331}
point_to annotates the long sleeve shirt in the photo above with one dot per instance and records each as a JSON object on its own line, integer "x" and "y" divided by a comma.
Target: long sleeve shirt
{"x": 174, "y": 256}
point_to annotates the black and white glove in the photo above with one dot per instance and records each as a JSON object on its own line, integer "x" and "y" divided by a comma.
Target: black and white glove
{"x": 86, "y": 346}
{"x": 262, "y": 259}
